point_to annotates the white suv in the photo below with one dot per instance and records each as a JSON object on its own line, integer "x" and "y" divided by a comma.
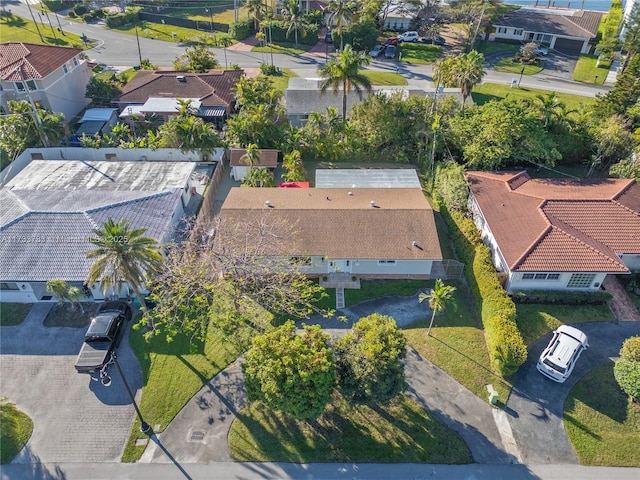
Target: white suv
{"x": 560, "y": 356}
{"x": 408, "y": 36}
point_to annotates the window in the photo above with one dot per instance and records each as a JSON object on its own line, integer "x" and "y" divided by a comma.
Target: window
{"x": 75, "y": 62}
{"x": 386, "y": 262}
{"x": 31, "y": 85}
{"x": 518, "y": 31}
{"x": 502, "y": 30}
{"x": 8, "y": 286}
{"x": 540, "y": 276}
{"x": 527, "y": 276}
{"x": 19, "y": 86}
{"x": 581, "y": 280}
{"x": 65, "y": 69}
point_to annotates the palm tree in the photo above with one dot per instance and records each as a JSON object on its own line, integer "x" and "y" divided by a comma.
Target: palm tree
{"x": 344, "y": 72}
{"x": 341, "y": 15}
{"x": 438, "y": 298}
{"x": 463, "y": 71}
{"x": 256, "y": 9}
{"x": 123, "y": 256}
{"x": 550, "y": 109}
{"x": 292, "y": 162}
{"x": 258, "y": 177}
{"x": 252, "y": 155}
{"x": 293, "y": 14}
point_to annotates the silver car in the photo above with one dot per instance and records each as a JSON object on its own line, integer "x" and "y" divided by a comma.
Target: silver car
{"x": 376, "y": 51}
{"x": 558, "y": 359}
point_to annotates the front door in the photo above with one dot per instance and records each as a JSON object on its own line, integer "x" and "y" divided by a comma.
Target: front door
{"x": 340, "y": 266}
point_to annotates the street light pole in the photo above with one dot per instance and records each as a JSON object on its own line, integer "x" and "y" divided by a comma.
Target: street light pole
{"x": 520, "y": 79}
{"x": 138, "y": 42}
{"x": 271, "y": 43}
{"x": 105, "y": 379}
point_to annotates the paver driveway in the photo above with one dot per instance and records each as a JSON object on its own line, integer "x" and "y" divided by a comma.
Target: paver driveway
{"x": 75, "y": 418}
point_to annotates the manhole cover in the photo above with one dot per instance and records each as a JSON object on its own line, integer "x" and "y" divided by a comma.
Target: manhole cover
{"x": 197, "y": 435}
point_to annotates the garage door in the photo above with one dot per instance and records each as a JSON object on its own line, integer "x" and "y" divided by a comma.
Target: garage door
{"x": 568, "y": 46}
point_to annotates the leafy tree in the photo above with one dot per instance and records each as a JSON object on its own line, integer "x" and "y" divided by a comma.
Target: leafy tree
{"x": 362, "y": 35}
{"x": 256, "y": 10}
{"x": 294, "y": 18}
{"x": 344, "y": 72}
{"x": 437, "y": 298}
{"x": 102, "y": 90}
{"x": 341, "y": 14}
{"x": 198, "y": 59}
{"x": 256, "y": 91}
{"x": 472, "y": 15}
{"x": 258, "y": 177}
{"x": 369, "y": 360}
{"x": 627, "y": 168}
{"x": 627, "y": 369}
{"x": 632, "y": 32}
{"x": 225, "y": 269}
{"x": 187, "y": 132}
{"x": 14, "y": 131}
{"x": 325, "y": 136}
{"x": 624, "y": 94}
{"x": 292, "y": 163}
{"x": 613, "y": 142}
{"x": 463, "y": 71}
{"x": 123, "y": 255}
{"x": 452, "y": 187}
{"x": 550, "y": 109}
{"x": 289, "y": 372}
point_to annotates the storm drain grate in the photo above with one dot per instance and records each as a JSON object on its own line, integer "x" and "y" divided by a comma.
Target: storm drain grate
{"x": 197, "y": 435}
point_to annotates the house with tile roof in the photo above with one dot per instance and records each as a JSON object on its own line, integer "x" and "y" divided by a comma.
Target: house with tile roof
{"x": 212, "y": 94}
{"x": 348, "y": 233}
{"x": 557, "y": 234}
{"x": 54, "y": 77}
{"x": 568, "y": 31}
{"x": 50, "y": 208}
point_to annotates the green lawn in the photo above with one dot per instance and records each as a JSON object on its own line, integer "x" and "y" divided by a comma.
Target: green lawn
{"x": 534, "y": 321}
{"x": 488, "y": 48}
{"x": 423, "y": 54}
{"x": 286, "y": 48}
{"x": 173, "y": 372}
{"x": 489, "y": 91}
{"x": 377, "y": 77}
{"x": 13, "y": 313}
{"x": 602, "y": 423}
{"x": 15, "y": 430}
{"x": 457, "y": 346}
{"x": 281, "y": 82}
{"x": 507, "y": 65}
{"x": 402, "y": 432}
{"x": 18, "y": 29}
{"x": 587, "y": 72}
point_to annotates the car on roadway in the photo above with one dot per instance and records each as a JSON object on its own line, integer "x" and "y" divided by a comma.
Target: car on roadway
{"x": 559, "y": 358}
{"x": 376, "y": 51}
{"x": 390, "y": 51}
{"x": 410, "y": 36}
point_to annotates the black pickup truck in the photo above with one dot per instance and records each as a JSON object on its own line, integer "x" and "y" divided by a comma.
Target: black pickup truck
{"x": 103, "y": 336}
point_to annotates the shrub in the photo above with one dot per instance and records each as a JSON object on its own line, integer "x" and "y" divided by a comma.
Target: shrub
{"x": 120, "y": 19}
{"x": 627, "y": 375}
{"x": 71, "y": 14}
{"x": 79, "y": 9}
{"x": 561, "y": 297}
{"x": 631, "y": 349}
{"x": 270, "y": 70}
{"x": 239, "y": 30}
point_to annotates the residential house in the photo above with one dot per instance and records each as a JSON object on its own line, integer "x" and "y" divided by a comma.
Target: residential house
{"x": 303, "y": 97}
{"x": 240, "y": 164}
{"x": 353, "y": 233}
{"x": 54, "y": 77}
{"x": 557, "y": 234}
{"x": 51, "y": 207}
{"x": 398, "y": 16}
{"x": 156, "y": 93}
{"x": 568, "y": 31}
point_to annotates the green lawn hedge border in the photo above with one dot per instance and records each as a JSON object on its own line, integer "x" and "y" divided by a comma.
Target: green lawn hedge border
{"x": 561, "y": 297}
{"x": 506, "y": 346}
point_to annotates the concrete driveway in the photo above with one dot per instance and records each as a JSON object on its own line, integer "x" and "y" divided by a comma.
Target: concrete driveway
{"x": 76, "y": 419}
{"x": 535, "y": 406}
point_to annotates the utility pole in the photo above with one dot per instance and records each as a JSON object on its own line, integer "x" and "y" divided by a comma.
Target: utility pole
{"x": 138, "y": 42}
{"x": 35, "y": 23}
{"x": 473, "y": 39}
{"x": 270, "y": 43}
{"x": 235, "y": 11}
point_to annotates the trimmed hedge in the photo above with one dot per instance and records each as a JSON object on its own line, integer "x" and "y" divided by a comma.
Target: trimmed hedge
{"x": 240, "y": 30}
{"x": 279, "y": 33}
{"x": 561, "y": 297}
{"x": 507, "y": 349}
{"x": 120, "y": 19}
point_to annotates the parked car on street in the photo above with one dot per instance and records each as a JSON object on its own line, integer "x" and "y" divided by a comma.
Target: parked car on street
{"x": 410, "y": 36}
{"x": 376, "y": 51}
{"x": 390, "y": 51}
{"x": 558, "y": 359}
{"x": 328, "y": 38}
{"x": 395, "y": 41}
{"x": 434, "y": 41}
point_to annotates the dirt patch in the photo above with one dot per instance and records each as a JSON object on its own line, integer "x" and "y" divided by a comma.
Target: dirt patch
{"x": 69, "y": 315}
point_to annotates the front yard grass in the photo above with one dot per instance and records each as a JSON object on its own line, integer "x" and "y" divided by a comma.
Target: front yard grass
{"x": 508, "y": 65}
{"x": 457, "y": 345}
{"x": 489, "y": 48}
{"x": 602, "y": 422}
{"x": 18, "y": 29}
{"x": 281, "y": 82}
{"x": 422, "y": 54}
{"x": 12, "y": 314}
{"x": 15, "y": 430}
{"x": 534, "y": 321}
{"x": 288, "y": 48}
{"x": 587, "y": 72}
{"x": 401, "y": 432}
{"x": 490, "y": 91}
{"x": 172, "y": 373}
{"x": 377, "y": 77}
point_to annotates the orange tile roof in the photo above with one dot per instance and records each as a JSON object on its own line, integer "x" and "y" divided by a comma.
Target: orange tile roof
{"x": 560, "y": 224}
{"x": 33, "y": 61}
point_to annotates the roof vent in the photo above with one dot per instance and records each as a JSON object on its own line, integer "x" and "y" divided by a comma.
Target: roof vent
{"x": 268, "y": 203}
{"x": 350, "y": 194}
{"x": 414, "y": 243}
{"x": 181, "y": 78}
{"x": 372, "y": 203}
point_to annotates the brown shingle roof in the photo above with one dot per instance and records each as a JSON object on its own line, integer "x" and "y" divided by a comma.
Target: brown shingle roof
{"x": 581, "y": 24}
{"x": 268, "y": 158}
{"x": 34, "y": 61}
{"x": 332, "y": 223}
{"x": 560, "y": 224}
{"x": 215, "y": 88}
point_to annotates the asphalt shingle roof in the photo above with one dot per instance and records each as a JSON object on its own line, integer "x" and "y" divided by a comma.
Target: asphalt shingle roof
{"x": 560, "y": 224}
{"x": 575, "y": 23}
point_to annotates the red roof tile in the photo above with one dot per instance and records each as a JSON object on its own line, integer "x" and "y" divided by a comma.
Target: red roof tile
{"x": 560, "y": 224}
{"x": 33, "y": 61}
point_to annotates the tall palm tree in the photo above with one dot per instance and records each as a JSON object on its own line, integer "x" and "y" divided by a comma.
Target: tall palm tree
{"x": 252, "y": 155}
{"x": 123, "y": 256}
{"x": 341, "y": 14}
{"x": 293, "y": 16}
{"x": 256, "y": 9}
{"x": 344, "y": 72}
{"x": 437, "y": 298}
{"x": 463, "y": 71}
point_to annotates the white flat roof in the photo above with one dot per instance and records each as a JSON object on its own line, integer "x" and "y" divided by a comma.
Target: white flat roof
{"x": 367, "y": 178}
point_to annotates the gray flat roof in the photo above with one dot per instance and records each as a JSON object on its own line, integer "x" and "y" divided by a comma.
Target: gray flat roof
{"x": 367, "y": 178}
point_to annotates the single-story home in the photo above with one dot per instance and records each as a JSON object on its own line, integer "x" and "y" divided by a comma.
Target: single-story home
{"x": 156, "y": 92}
{"x": 303, "y": 97}
{"x": 361, "y": 232}
{"x": 240, "y": 164}
{"x": 398, "y": 16}
{"x": 51, "y": 207}
{"x": 568, "y": 31}
{"x": 54, "y": 77}
{"x": 557, "y": 234}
